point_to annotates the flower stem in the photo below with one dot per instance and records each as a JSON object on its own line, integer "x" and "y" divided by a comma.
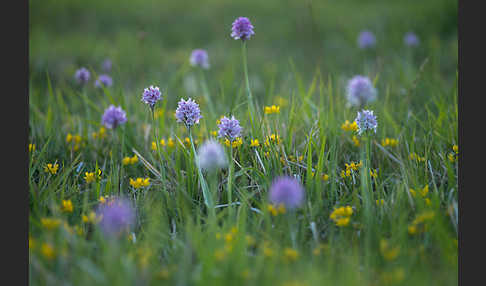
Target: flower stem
{"x": 204, "y": 186}
{"x": 251, "y": 107}
{"x": 230, "y": 179}
{"x": 157, "y": 143}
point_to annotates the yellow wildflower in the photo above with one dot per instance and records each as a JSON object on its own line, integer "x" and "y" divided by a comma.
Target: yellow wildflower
{"x": 154, "y": 146}
{"x": 47, "y": 251}
{"x": 374, "y": 173}
{"x": 347, "y": 126}
{"x": 91, "y": 176}
{"x": 267, "y": 251}
{"x": 325, "y": 177}
{"x": 51, "y": 168}
{"x": 455, "y": 148}
{"x": 91, "y": 218}
{"x": 388, "y": 252}
{"x": 290, "y": 254}
{"x": 170, "y": 143}
{"x": 389, "y": 142}
{"x": 273, "y": 211}
{"x": 355, "y": 141}
{"x": 424, "y": 191}
{"x": 417, "y": 158}
{"x": 134, "y": 159}
{"x": 254, "y": 143}
{"x": 272, "y": 109}
{"x": 31, "y": 147}
{"x": 452, "y": 158}
{"x": 50, "y": 223}
{"x": 236, "y": 143}
{"x": 126, "y": 161}
{"x": 67, "y": 206}
{"x": 140, "y": 182}
{"x": 380, "y": 202}
{"x": 69, "y": 138}
{"x": 214, "y": 133}
{"x": 341, "y": 216}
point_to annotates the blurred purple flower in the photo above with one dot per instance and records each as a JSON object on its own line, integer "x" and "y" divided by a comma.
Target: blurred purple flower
{"x": 104, "y": 80}
{"x": 366, "y": 121}
{"x": 211, "y": 156}
{"x": 229, "y": 128}
{"x": 116, "y": 216}
{"x": 360, "y": 91}
{"x": 188, "y": 112}
{"x": 199, "y": 58}
{"x": 287, "y": 191}
{"x": 113, "y": 117}
{"x": 366, "y": 39}
{"x": 410, "y": 39}
{"x": 106, "y": 66}
{"x": 82, "y": 75}
{"x": 242, "y": 29}
{"x": 151, "y": 95}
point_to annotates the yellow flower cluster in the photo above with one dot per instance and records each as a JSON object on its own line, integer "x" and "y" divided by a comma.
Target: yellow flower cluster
{"x": 254, "y": 143}
{"x": 419, "y": 224}
{"x": 388, "y": 252}
{"x": 353, "y": 166}
{"x": 272, "y": 138}
{"x": 290, "y": 254}
{"x": 276, "y": 210}
{"x": 423, "y": 192}
{"x": 342, "y": 215}
{"x": 139, "y": 182}
{"x": 229, "y": 239}
{"x": 74, "y": 140}
{"x": 389, "y": 142}
{"x": 453, "y": 155}
{"x": 272, "y": 109}
{"x": 417, "y": 158}
{"x": 100, "y": 134}
{"x": 31, "y": 147}
{"x": 92, "y": 176}
{"x": 380, "y": 202}
{"x": 236, "y": 143}
{"x": 130, "y": 160}
{"x": 347, "y": 126}
{"x": 170, "y": 143}
{"x": 67, "y": 206}
{"x": 51, "y": 168}
{"x": 355, "y": 141}
{"x": 91, "y": 218}
{"x": 50, "y": 223}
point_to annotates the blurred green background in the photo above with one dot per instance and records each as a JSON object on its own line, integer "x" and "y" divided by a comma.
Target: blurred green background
{"x": 149, "y": 42}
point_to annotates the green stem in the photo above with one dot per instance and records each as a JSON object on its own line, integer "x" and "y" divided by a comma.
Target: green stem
{"x": 205, "y": 189}
{"x": 230, "y": 179}
{"x": 251, "y": 107}
{"x": 157, "y": 143}
{"x": 206, "y": 94}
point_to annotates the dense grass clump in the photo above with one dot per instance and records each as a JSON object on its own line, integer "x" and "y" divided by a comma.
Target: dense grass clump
{"x": 137, "y": 201}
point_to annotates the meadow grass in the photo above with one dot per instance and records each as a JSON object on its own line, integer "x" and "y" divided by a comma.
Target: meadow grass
{"x": 402, "y": 230}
